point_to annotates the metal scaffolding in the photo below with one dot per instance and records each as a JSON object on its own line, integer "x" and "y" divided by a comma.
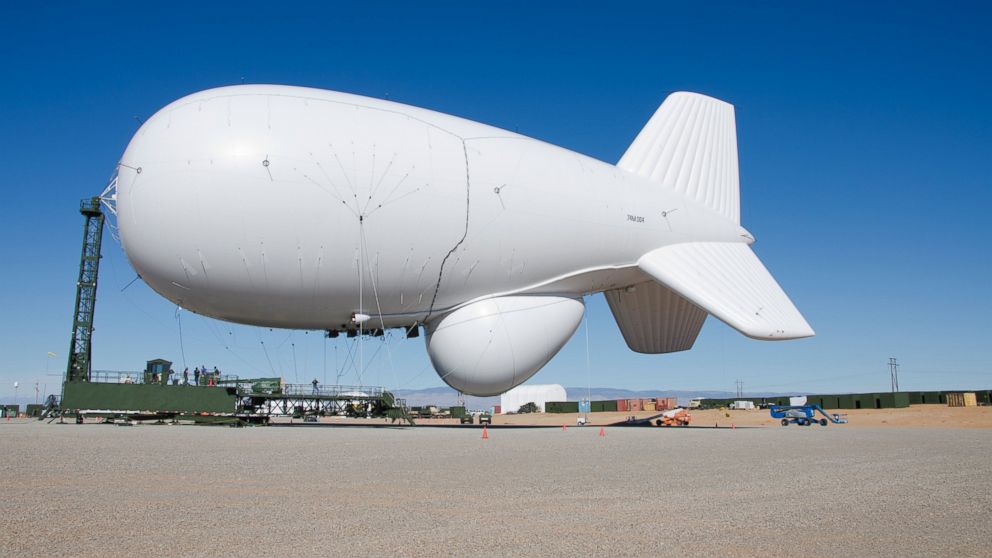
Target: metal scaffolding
{"x": 302, "y": 399}
{"x": 80, "y": 347}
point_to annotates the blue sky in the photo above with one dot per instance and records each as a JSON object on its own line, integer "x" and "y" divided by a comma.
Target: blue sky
{"x": 865, "y": 137}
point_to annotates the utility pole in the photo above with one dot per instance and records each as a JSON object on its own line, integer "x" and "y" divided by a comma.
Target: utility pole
{"x": 894, "y": 373}
{"x": 740, "y": 389}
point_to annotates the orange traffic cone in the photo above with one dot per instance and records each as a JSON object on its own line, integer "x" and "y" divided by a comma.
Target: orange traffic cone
{"x": 485, "y": 433}
{"x": 602, "y": 432}
{"x": 733, "y": 426}
{"x": 563, "y": 428}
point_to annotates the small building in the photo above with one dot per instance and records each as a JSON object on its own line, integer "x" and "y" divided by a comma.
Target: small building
{"x": 511, "y": 401}
{"x": 158, "y": 370}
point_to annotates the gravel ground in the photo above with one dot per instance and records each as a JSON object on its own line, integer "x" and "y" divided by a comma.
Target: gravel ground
{"x": 102, "y": 490}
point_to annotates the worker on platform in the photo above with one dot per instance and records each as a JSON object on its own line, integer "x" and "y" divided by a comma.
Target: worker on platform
{"x": 196, "y": 376}
{"x": 315, "y": 390}
{"x": 186, "y": 376}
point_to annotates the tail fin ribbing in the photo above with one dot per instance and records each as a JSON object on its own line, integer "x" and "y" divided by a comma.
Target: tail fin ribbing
{"x": 690, "y": 145}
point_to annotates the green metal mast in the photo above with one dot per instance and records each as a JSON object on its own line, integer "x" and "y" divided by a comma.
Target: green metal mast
{"x": 80, "y": 347}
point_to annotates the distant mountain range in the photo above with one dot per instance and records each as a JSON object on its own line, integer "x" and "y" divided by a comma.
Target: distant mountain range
{"x": 446, "y": 397}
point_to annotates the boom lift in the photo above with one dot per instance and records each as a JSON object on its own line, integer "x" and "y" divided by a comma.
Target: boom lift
{"x": 804, "y": 415}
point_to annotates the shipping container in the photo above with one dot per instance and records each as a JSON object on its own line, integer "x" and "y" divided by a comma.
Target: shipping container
{"x": 604, "y": 406}
{"x": 924, "y": 397}
{"x": 665, "y": 403}
{"x": 497, "y": 409}
{"x": 647, "y": 405}
{"x": 562, "y": 407}
{"x": 966, "y": 399}
{"x": 635, "y": 405}
{"x": 623, "y": 405}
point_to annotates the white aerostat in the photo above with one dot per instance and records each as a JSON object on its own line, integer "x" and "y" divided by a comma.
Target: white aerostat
{"x": 302, "y": 208}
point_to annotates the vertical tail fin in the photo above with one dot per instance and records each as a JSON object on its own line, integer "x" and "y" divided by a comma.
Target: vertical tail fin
{"x": 690, "y": 145}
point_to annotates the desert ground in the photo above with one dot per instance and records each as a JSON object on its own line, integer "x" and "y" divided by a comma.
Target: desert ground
{"x": 161, "y": 490}
{"x": 925, "y": 416}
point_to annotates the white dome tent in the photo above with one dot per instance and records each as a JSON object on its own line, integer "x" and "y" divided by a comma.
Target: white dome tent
{"x": 512, "y": 400}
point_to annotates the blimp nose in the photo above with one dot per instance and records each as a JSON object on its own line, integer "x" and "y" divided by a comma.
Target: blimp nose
{"x": 179, "y": 178}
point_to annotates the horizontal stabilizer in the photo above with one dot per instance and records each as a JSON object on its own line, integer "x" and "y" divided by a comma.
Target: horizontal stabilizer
{"x": 653, "y": 319}
{"x": 727, "y": 280}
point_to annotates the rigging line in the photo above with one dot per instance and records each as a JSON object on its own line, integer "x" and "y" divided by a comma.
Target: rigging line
{"x": 179, "y": 318}
{"x": 325, "y": 360}
{"x": 266, "y": 351}
{"x": 361, "y": 294}
{"x": 154, "y": 318}
{"x": 317, "y": 184}
{"x": 389, "y": 355}
{"x": 296, "y": 377}
{"x": 468, "y": 193}
{"x": 349, "y": 359}
{"x": 321, "y": 187}
{"x": 371, "y": 180}
{"x": 374, "y": 354}
{"x": 415, "y": 376}
{"x": 388, "y": 202}
{"x": 378, "y": 307}
{"x": 220, "y": 341}
{"x": 390, "y": 194}
{"x": 288, "y": 335}
{"x": 136, "y": 277}
{"x": 329, "y": 181}
{"x": 381, "y": 180}
{"x": 588, "y": 361}
{"x": 346, "y": 178}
